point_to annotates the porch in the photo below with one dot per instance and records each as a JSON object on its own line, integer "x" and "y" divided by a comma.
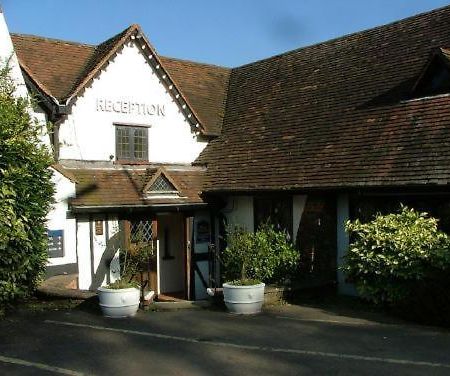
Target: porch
{"x": 182, "y": 263}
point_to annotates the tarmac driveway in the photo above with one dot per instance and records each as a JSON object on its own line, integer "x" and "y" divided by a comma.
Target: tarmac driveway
{"x": 286, "y": 340}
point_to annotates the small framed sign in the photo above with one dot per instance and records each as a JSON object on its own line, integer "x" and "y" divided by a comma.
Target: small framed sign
{"x": 98, "y": 227}
{"x": 55, "y": 243}
{"x": 203, "y": 232}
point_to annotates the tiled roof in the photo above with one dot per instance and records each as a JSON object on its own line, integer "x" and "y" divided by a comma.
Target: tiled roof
{"x": 333, "y": 115}
{"x": 55, "y": 64}
{"x": 119, "y": 187}
{"x": 60, "y": 68}
{"x": 204, "y": 86}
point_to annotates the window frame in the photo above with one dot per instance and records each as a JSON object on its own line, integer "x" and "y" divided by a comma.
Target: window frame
{"x": 131, "y": 129}
{"x": 269, "y": 202}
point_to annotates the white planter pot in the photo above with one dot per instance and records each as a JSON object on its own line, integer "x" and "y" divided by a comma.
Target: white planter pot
{"x": 119, "y": 303}
{"x": 245, "y": 300}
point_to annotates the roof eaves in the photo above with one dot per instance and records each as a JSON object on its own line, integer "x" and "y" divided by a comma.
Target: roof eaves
{"x": 178, "y": 93}
{"x": 126, "y": 34}
{"x": 39, "y": 85}
{"x": 64, "y": 172}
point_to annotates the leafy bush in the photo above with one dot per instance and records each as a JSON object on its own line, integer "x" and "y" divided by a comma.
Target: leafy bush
{"x": 265, "y": 255}
{"x": 133, "y": 259}
{"x": 397, "y": 258}
{"x": 26, "y": 193}
{"x": 123, "y": 284}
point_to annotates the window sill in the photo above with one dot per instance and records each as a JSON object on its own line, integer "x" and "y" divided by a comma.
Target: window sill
{"x": 130, "y": 162}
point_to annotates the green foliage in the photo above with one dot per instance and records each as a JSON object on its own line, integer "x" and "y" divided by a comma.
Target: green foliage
{"x": 123, "y": 284}
{"x": 244, "y": 282}
{"x": 26, "y": 194}
{"x": 133, "y": 259}
{"x": 392, "y": 255}
{"x": 265, "y": 255}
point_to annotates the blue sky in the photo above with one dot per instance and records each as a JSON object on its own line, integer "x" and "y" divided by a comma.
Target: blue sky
{"x": 223, "y": 32}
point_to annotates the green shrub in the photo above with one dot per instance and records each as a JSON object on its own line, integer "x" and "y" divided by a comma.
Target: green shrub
{"x": 265, "y": 255}
{"x": 397, "y": 257}
{"x": 26, "y": 193}
{"x": 133, "y": 259}
{"x": 123, "y": 284}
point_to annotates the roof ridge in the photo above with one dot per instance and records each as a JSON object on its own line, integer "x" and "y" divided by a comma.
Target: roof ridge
{"x": 118, "y": 35}
{"x": 96, "y": 61}
{"x": 57, "y": 40}
{"x": 195, "y": 62}
{"x": 346, "y": 36}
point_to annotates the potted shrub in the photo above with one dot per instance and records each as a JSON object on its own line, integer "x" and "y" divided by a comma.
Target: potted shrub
{"x": 252, "y": 259}
{"x": 121, "y": 298}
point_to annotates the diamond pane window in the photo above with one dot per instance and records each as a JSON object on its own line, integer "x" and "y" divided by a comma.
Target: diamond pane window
{"x": 131, "y": 143}
{"x": 141, "y": 231}
{"x": 162, "y": 184}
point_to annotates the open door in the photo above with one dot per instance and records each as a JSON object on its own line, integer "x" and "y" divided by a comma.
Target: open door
{"x": 198, "y": 232}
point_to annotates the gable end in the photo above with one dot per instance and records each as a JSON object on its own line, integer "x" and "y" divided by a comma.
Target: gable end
{"x": 435, "y": 76}
{"x": 161, "y": 184}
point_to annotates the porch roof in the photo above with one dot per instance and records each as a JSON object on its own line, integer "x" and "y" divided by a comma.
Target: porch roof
{"x": 119, "y": 187}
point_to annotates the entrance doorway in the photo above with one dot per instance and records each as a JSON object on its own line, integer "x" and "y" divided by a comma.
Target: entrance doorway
{"x": 172, "y": 256}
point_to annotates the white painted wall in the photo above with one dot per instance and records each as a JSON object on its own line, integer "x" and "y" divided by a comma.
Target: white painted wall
{"x": 84, "y": 253}
{"x": 57, "y": 218}
{"x": 41, "y": 117}
{"x": 105, "y": 252}
{"x": 172, "y": 271}
{"x": 239, "y": 211}
{"x": 128, "y": 78}
{"x": 7, "y": 53}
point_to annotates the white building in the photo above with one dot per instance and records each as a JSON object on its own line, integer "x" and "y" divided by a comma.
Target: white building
{"x": 125, "y": 138}
{"x": 307, "y": 139}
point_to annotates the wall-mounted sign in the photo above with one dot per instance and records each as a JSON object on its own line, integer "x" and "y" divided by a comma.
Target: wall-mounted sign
{"x": 129, "y": 107}
{"x": 98, "y": 227}
{"x": 203, "y": 233}
{"x": 55, "y": 243}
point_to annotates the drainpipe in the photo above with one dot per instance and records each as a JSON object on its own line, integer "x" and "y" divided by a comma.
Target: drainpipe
{"x": 56, "y": 118}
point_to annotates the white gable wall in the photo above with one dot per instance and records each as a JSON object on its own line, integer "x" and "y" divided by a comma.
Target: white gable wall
{"x": 7, "y": 54}
{"x": 88, "y": 133}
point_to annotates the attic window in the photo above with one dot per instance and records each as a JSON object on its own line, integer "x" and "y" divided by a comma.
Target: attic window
{"x": 161, "y": 184}
{"x": 434, "y": 80}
